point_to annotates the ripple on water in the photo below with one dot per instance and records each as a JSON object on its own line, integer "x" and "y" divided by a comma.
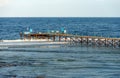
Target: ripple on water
{"x": 62, "y": 62}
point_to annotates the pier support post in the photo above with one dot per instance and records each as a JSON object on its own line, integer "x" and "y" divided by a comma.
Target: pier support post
{"x": 25, "y": 36}
{"x": 53, "y": 38}
{"x": 48, "y": 38}
{"x": 105, "y": 42}
{"x": 29, "y": 37}
{"x": 99, "y": 42}
{"x": 87, "y": 41}
{"x": 36, "y": 36}
{"x": 119, "y": 43}
{"x": 65, "y": 38}
{"x": 112, "y": 42}
{"x": 81, "y": 40}
{"x": 59, "y": 38}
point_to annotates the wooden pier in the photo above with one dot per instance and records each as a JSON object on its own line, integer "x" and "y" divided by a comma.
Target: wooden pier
{"x": 52, "y": 36}
{"x": 97, "y": 41}
{"x": 76, "y": 39}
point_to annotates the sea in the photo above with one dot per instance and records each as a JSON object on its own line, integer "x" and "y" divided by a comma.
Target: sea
{"x": 59, "y": 60}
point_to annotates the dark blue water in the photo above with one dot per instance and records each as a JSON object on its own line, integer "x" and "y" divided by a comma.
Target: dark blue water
{"x": 59, "y": 61}
{"x": 108, "y": 27}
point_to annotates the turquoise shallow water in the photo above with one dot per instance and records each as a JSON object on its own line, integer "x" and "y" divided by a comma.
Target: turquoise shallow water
{"x": 59, "y": 61}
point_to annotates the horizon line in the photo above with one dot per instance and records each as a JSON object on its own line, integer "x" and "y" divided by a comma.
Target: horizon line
{"x": 54, "y": 17}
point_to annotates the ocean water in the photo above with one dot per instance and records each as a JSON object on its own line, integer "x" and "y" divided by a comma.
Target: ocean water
{"x": 108, "y": 27}
{"x": 59, "y": 61}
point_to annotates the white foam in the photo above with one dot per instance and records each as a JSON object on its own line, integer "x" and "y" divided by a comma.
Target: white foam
{"x": 28, "y": 42}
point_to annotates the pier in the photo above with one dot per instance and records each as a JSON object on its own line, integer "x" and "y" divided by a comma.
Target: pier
{"x": 52, "y": 36}
{"x": 96, "y": 41}
{"x": 75, "y": 39}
